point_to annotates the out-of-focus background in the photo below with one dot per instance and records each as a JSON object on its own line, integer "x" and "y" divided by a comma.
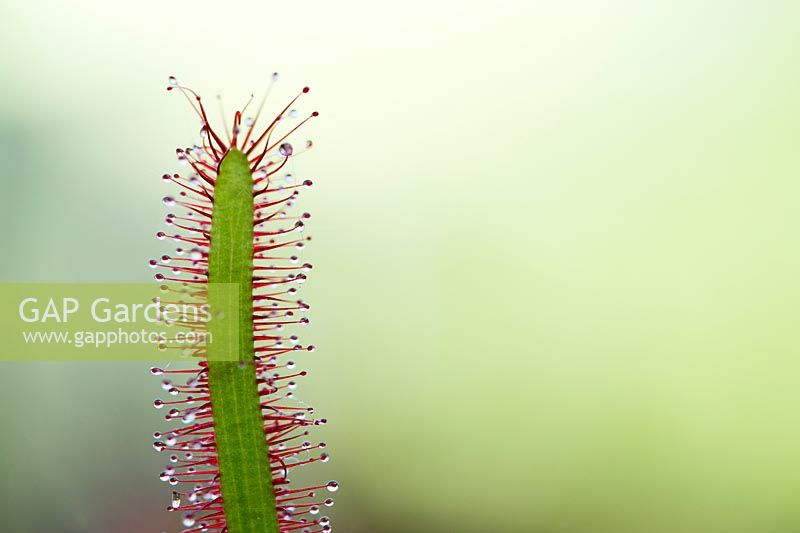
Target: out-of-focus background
{"x": 555, "y": 246}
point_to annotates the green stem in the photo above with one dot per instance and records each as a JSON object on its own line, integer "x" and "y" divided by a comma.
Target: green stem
{"x": 245, "y": 475}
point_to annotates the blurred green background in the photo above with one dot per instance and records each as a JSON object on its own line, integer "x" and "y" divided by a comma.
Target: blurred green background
{"x": 556, "y": 254}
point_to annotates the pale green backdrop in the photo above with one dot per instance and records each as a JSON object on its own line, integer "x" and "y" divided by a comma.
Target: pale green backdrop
{"x": 555, "y": 245}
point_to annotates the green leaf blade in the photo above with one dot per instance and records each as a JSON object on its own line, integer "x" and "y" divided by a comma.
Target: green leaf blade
{"x": 245, "y": 475}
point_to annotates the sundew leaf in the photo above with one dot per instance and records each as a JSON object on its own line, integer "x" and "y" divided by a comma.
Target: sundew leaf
{"x": 243, "y": 430}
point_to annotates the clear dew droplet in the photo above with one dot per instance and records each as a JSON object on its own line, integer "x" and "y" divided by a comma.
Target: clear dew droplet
{"x": 169, "y": 201}
{"x": 332, "y": 486}
{"x": 285, "y": 149}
